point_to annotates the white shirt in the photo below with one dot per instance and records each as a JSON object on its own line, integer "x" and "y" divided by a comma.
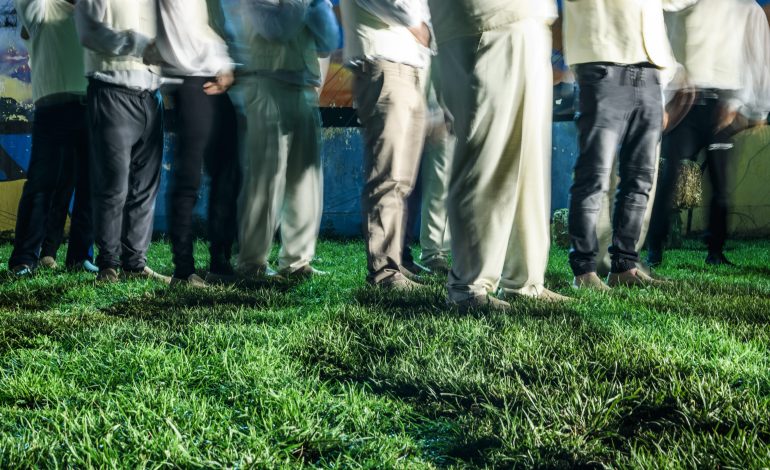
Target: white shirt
{"x": 56, "y": 56}
{"x": 187, "y": 42}
{"x": 393, "y": 43}
{"x": 724, "y": 45}
{"x": 95, "y": 34}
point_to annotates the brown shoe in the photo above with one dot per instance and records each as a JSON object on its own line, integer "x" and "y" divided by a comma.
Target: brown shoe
{"x": 107, "y": 276}
{"x": 544, "y": 295}
{"x": 590, "y": 281}
{"x": 261, "y": 273}
{"x": 483, "y": 302}
{"x": 399, "y": 283}
{"x": 192, "y": 281}
{"x": 633, "y": 278}
{"x": 439, "y": 266}
{"x": 305, "y": 272}
{"x": 145, "y": 274}
{"x": 48, "y": 262}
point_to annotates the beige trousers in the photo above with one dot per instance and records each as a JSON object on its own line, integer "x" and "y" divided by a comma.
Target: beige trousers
{"x": 604, "y": 224}
{"x": 391, "y": 106}
{"x": 282, "y": 174}
{"x": 435, "y": 239}
{"x": 498, "y": 87}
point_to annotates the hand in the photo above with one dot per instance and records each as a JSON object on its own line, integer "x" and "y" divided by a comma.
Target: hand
{"x": 725, "y": 118}
{"x": 152, "y": 55}
{"x": 222, "y": 82}
{"x": 422, "y": 34}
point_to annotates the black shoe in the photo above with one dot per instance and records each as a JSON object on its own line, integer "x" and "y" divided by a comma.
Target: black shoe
{"x": 22, "y": 270}
{"x": 718, "y": 259}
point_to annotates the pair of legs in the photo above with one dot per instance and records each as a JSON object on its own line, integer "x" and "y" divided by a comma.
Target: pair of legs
{"x": 498, "y": 88}
{"x": 126, "y": 154}
{"x": 620, "y": 108}
{"x": 391, "y": 106}
{"x": 282, "y": 175}
{"x": 208, "y": 138}
{"x": 696, "y": 132}
{"x": 59, "y": 164}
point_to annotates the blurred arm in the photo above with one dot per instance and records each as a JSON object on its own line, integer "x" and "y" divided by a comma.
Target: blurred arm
{"x": 277, "y": 20}
{"x": 323, "y": 24}
{"x": 95, "y": 35}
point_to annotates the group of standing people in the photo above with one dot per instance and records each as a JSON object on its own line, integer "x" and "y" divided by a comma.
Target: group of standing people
{"x": 459, "y": 91}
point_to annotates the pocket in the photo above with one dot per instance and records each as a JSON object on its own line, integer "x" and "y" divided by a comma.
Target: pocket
{"x": 589, "y": 74}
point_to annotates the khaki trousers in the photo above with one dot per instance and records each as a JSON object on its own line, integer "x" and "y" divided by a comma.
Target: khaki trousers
{"x": 435, "y": 239}
{"x": 282, "y": 174}
{"x": 391, "y": 106}
{"x": 498, "y": 87}
{"x": 604, "y": 225}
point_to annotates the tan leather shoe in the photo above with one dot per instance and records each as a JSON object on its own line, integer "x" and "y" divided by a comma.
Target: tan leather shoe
{"x": 192, "y": 281}
{"x": 543, "y": 296}
{"x": 399, "y": 283}
{"x": 633, "y": 278}
{"x": 482, "y": 302}
{"x": 439, "y": 266}
{"x": 590, "y": 281}
{"x": 107, "y": 276}
{"x": 145, "y": 274}
{"x": 48, "y": 262}
{"x": 305, "y": 272}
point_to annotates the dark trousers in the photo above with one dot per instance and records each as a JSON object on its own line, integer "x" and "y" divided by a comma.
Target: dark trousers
{"x": 621, "y": 115}
{"x": 696, "y": 132}
{"x": 126, "y": 154}
{"x": 207, "y": 131}
{"x": 59, "y": 161}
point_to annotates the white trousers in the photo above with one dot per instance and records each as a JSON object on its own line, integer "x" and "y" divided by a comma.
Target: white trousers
{"x": 498, "y": 87}
{"x": 282, "y": 174}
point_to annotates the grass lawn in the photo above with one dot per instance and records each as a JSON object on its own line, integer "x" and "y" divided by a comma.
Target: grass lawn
{"x": 330, "y": 373}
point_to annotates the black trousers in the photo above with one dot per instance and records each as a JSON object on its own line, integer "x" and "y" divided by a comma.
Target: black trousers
{"x": 59, "y": 163}
{"x": 126, "y": 154}
{"x": 207, "y": 131}
{"x": 621, "y": 114}
{"x": 696, "y": 132}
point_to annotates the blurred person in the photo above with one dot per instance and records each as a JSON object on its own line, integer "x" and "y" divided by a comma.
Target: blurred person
{"x": 126, "y": 124}
{"x": 387, "y": 46}
{"x": 283, "y": 180}
{"x": 59, "y": 159}
{"x": 724, "y": 49}
{"x": 617, "y": 50}
{"x": 189, "y": 48}
{"x": 497, "y": 83}
{"x": 435, "y": 238}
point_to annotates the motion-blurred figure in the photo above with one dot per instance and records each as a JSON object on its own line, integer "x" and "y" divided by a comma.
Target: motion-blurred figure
{"x": 126, "y": 124}
{"x": 283, "y": 180}
{"x": 59, "y": 161}
{"x": 189, "y": 47}
{"x": 497, "y": 83}
{"x": 724, "y": 49}
{"x": 387, "y": 46}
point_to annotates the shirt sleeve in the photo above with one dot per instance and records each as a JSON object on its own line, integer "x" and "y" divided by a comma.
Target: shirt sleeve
{"x": 95, "y": 35}
{"x": 277, "y": 20}
{"x": 755, "y": 95}
{"x": 323, "y": 24}
{"x": 34, "y": 13}
{"x": 408, "y": 13}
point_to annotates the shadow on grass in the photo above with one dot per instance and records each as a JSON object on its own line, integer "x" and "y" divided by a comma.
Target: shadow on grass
{"x": 24, "y": 330}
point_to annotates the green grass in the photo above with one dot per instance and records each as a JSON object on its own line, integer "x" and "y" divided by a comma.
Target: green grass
{"x": 329, "y": 373}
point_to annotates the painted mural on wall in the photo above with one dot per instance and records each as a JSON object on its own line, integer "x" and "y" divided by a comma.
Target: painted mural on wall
{"x": 15, "y": 114}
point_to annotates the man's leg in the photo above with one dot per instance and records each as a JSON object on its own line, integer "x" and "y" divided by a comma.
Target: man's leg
{"x": 224, "y": 169}
{"x": 116, "y": 120}
{"x": 528, "y": 151}
{"x": 144, "y": 182}
{"x": 81, "y": 238}
{"x": 264, "y": 172}
{"x": 605, "y": 101}
{"x": 302, "y": 205}
{"x": 391, "y": 106}
{"x": 637, "y": 165}
{"x": 60, "y": 203}
{"x": 719, "y": 164}
{"x": 195, "y": 117}
{"x": 434, "y": 227}
{"x": 42, "y": 179}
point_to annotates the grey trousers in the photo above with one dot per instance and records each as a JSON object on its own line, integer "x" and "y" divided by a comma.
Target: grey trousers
{"x": 126, "y": 153}
{"x": 620, "y": 108}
